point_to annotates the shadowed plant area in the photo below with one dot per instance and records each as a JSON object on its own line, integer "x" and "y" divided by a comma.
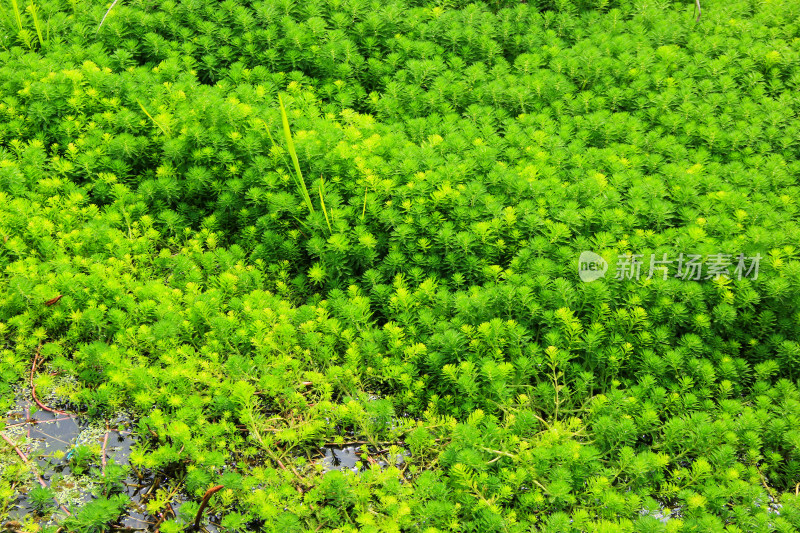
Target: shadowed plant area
{"x": 399, "y": 266}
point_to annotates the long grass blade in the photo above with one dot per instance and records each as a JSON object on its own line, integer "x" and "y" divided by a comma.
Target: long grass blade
{"x": 151, "y": 118}
{"x": 272, "y": 140}
{"x": 17, "y": 14}
{"x": 293, "y": 153}
{"x": 36, "y": 24}
{"x": 285, "y": 162}
{"x": 322, "y": 201}
{"x": 104, "y": 16}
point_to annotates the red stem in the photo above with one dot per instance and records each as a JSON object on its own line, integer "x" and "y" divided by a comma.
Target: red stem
{"x": 204, "y": 504}
{"x": 27, "y": 462}
{"x": 105, "y": 442}
{"x": 33, "y": 387}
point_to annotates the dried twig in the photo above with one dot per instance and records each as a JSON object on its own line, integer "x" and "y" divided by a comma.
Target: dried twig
{"x": 699, "y": 11}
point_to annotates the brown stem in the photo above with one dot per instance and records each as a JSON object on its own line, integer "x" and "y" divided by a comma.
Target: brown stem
{"x": 204, "y": 504}
{"x": 138, "y": 475}
{"x": 161, "y": 518}
{"x": 151, "y": 491}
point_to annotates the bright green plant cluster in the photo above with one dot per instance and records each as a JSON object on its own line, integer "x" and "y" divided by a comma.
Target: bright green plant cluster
{"x": 280, "y": 225}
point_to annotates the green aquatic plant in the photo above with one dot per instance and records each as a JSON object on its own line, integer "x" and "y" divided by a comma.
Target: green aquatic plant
{"x": 80, "y": 458}
{"x": 493, "y": 143}
{"x": 97, "y": 515}
{"x": 42, "y": 499}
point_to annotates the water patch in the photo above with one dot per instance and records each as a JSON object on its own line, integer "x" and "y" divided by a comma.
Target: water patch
{"x": 355, "y": 458}
{"x": 59, "y": 461}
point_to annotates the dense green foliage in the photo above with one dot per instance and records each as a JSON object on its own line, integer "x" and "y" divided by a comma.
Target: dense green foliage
{"x": 470, "y": 152}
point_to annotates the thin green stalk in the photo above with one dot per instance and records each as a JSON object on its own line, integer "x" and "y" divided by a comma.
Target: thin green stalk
{"x": 363, "y": 211}
{"x": 322, "y": 201}
{"x": 300, "y": 222}
{"x": 272, "y": 140}
{"x": 151, "y": 118}
{"x": 17, "y": 14}
{"x": 104, "y": 16}
{"x": 287, "y": 132}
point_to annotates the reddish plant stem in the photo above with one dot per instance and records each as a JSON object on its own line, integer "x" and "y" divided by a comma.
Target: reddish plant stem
{"x": 33, "y": 387}
{"x": 27, "y": 461}
{"x": 204, "y": 504}
{"x": 21, "y": 455}
{"x": 105, "y": 443}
